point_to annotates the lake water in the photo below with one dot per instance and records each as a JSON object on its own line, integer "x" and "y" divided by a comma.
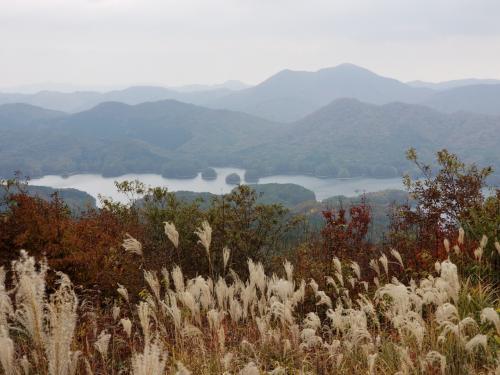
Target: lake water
{"x": 95, "y": 184}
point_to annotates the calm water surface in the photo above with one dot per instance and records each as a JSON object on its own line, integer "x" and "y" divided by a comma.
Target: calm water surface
{"x": 323, "y": 188}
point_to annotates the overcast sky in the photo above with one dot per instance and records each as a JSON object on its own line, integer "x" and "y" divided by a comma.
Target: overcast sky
{"x": 175, "y": 42}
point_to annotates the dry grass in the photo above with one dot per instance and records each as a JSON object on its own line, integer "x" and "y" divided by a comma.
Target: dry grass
{"x": 271, "y": 324}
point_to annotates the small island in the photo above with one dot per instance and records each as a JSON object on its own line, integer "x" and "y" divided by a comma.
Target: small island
{"x": 233, "y": 179}
{"x": 251, "y": 176}
{"x": 209, "y": 174}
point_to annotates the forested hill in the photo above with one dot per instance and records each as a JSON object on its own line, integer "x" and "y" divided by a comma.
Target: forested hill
{"x": 346, "y": 138}
{"x": 76, "y": 200}
{"x": 168, "y": 137}
{"x": 349, "y": 138}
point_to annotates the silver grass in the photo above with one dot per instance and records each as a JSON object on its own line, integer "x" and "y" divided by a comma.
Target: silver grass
{"x": 131, "y": 245}
{"x": 102, "y": 344}
{"x": 277, "y": 371}
{"x": 397, "y": 256}
{"x": 497, "y": 246}
{"x": 478, "y": 253}
{"x": 337, "y": 264}
{"x": 309, "y": 338}
{"x": 115, "y": 311}
{"x": 6, "y": 308}
{"x": 190, "y": 330}
{"x": 449, "y": 274}
{"x": 288, "y": 270}
{"x": 62, "y": 317}
{"x": 312, "y": 321}
{"x": 340, "y": 278}
{"x": 356, "y": 269}
{"x": 314, "y": 285}
{"x": 178, "y": 279}
{"x": 475, "y": 342}
{"x": 25, "y": 365}
{"x": 371, "y": 363}
{"x": 433, "y": 356}
{"x": 257, "y": 275}
{"x": 461, "y": 236}
{"x": 323, "y": 299}
{"x": 127, "y": 326}
{"x": 385, "y": 263}
{"x": 181, "y": 369}
{"x": 7, "y": 352}
{"x": 30, "y": 297}
{"x": 227, "y": 360}
{"x": 144, "y": 312}
{"x": 152, "y": 361}
{"x": 374, "y": 266}
{"x": 225, "y": 256}
{"x": 122, "y": 291}
{"x": 484, "y": 241}
{"x": 446, "y": 313}
{"x": 250, "y": 369}
{"x": 204, "y": 234}
{"x": 172, "y": 233}
{"x": 151, "y": 279}
{"x": 446, "y": 243}
{"x": 489, "y": 314}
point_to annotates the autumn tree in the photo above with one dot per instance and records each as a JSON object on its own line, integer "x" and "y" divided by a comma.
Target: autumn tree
{"x": 444, "y": 200}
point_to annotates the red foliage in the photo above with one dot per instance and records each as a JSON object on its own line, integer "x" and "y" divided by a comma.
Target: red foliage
{"x": 87, "y": 247}
{"x": 344, "y": 233}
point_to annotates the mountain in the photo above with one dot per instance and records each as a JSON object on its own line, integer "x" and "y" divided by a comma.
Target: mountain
{"x": 291, "y": 95}
{"x": 76, "y": 200}
{"x": 83, "y": 100}
{"x": 475, "y": 98}
{"x": 168, "y": 137}
{"x": 446, "y": 85}
{"x": 21, "y": 115}
{"x": 348, "y": 138}
{"x": 232, "y": 85}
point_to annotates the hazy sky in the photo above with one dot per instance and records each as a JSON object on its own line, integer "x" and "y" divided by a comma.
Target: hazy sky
{"x": 174, "y": 42}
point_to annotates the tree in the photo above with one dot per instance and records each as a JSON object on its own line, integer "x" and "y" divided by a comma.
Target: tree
{"x": 444, "y": 200}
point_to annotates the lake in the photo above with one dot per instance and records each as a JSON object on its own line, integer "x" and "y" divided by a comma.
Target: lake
{"x": 95, "y": 184}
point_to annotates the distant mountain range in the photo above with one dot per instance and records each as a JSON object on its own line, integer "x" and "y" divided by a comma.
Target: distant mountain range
{"x": 289, "y": 95}
{"x": 445, "y": 85}
{"x": 476, "y": 98}
{"x": 346, "y": 138}
{"x": 84, "y": 100}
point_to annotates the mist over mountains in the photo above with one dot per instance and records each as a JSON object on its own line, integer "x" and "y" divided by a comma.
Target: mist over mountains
{"x": 337, "y": 122}
{"x": 289, "y": 95}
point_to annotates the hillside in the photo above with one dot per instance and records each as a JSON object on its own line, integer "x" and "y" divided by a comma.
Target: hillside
{"x": 475, "y": 98}
{"x": 167, "y": 137}
{"x": 348, "y": 138}
{"x": 76, "y": 200}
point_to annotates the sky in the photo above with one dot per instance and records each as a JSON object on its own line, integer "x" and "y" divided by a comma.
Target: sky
{"x": 112, "y": 43}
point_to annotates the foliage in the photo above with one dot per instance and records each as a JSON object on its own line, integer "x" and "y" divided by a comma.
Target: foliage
{"x": 444, "y": 201}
